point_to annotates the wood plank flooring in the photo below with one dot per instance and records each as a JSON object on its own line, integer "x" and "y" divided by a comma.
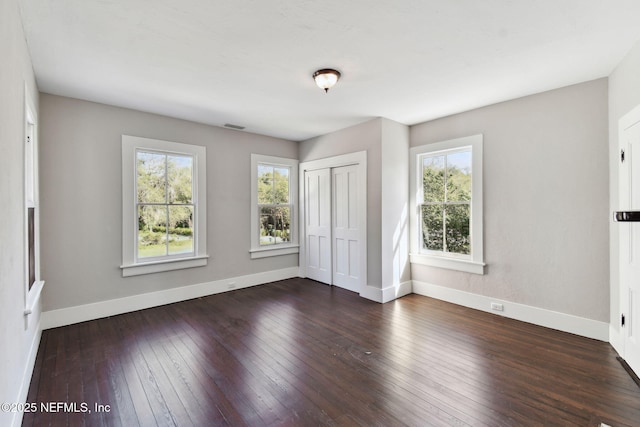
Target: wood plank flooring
{"x": 300, "y": 353}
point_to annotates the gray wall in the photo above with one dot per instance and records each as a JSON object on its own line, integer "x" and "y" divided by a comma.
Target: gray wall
{"x": 19, "y": 335}
{"x": 362, "y": 137}
{"x": 546, "y": 191}
{"x": 82, "y": 202}
{"x": 624, "y": 95}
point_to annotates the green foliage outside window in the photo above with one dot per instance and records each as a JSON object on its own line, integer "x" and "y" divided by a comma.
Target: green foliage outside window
{"x": 164, "y": 185}
{"x": 446, "y": 211}
{"x": 274, "y": 205}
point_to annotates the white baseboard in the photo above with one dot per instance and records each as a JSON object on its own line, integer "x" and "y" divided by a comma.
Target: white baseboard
{"x": 372, "y": 293}
{"x": 394, "y": 292}
{"x": 82, "y": 313}
{"x": 26, "y": 375}
{"x": 538, "y": 316}
{"x": 387, "y": 294}
{"x": 616, "y": 339}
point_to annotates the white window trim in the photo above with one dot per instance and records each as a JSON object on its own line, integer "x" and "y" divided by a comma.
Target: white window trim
{"x": 475, "y": 262}
{"x": 293, "y": 247}
{"x": 130, "y": 144}
{"x": 31, "y": 200}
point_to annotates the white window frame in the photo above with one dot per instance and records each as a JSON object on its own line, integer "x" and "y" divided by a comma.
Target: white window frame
{"x": 474, "y": 262}
{"x": 32, "y": 291}
{"x": 130, "y": 265}
{"x": 292, "y": 247}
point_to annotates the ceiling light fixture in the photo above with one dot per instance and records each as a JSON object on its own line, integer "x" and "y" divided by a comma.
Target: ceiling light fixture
{"x": 326, "y": 78}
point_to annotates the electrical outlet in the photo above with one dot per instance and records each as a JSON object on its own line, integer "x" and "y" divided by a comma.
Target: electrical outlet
{"x": 497, "y": 307}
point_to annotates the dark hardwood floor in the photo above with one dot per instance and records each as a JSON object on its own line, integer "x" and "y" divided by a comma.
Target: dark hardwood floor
{"x": 297, "y": 352}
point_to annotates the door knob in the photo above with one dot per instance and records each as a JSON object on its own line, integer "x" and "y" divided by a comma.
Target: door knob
{"x": 626, "y": 216}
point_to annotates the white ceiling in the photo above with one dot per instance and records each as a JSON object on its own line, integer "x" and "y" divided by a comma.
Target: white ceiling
{"x": 249, "y": 62}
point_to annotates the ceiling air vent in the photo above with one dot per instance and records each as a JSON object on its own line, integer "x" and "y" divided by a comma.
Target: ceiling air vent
{"x": 230, "y": 126}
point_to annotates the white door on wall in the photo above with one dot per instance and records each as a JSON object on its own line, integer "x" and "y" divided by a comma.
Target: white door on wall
{"x": 345, "y": 246}
{"x": 629, "y": 233}
{"x": 318, "y": 224}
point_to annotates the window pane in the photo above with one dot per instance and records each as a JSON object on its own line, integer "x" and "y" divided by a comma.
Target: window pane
{"x": 32, "y": 245}
{"x": 459, "y": 177}
{"x": 265, "y": 184}
{"x": 432, "y": 227}
{"x": 180, "y": 232}
{"x": 151, "y": 180}
{"x": 458, "y": 237}
{"x": 281, "y": 185}
{"x": 152, "y": 231}
{"x": 180, "y": 179}
{"x": 275, "y": 225}
{"x": 433, "y": 178}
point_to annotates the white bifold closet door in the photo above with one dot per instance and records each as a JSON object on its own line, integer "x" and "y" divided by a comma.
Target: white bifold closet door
{"x": 318, "y": 224}
{"x": 331, "y": 226}
{"x": 345, "y": 227}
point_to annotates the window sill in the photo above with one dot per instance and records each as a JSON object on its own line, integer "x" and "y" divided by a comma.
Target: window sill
{"x": 274, "y": 251}
{"x": 449, "y": 263}
{"x": 160, "y": 266}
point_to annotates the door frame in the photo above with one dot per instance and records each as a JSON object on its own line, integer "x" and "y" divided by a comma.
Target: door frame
{"x": 358, "y": 159}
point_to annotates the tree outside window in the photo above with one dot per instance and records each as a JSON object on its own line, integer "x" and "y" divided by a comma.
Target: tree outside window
{"x": 165, "y": 206}
{"x": 446, "y": 210}
{"x": 274, "y": 204}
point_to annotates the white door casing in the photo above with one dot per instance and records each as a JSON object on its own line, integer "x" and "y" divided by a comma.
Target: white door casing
{"x": 317, "y": 220}
{"x": 629, "y": 237}
{"x": 346, "y": 230}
